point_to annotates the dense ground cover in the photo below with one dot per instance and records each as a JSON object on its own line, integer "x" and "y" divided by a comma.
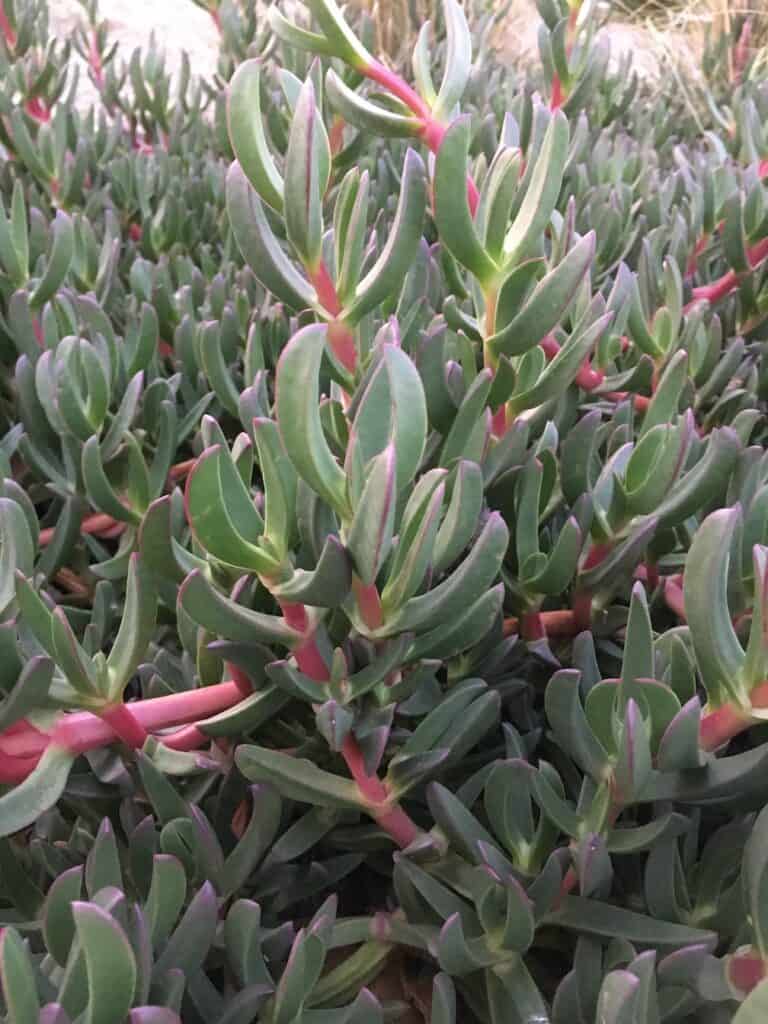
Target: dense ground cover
{"x": 383, "y": 565}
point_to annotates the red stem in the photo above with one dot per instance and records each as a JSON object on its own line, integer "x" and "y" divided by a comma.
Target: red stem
{"x": 22, "y": 745}
{"x": 187, "y": 738}
{"x": 307, "y": 654}
{"x": 342, "y": 341}
{"x": 368, "y": 603}
{"x": 499, "y": 421}
{"x": 82, "y": 731}
{"x": 7, "y": 28}
{"x": 557, "y": 93}
{"x": 336, "y": 134}
{"x": 582, "y": 600}
{"x": 390, "y": 816}
{"x": 566, "y": 886}
{"x": 431, "y": 131}
{"x": 95, "y": 61}
{"x": 124, "y": 723}
{"x": 532, "y": 626}
{"x": 723, "y": 723}
{"x": 325, "y": 288}
{"x": 240, "y": 679}
{"x": 746, "y": 970}
{"x": 393, "y": 83}
{"x": 97, "y": 523}
{"x": 587, "y": 377}
{"x": 673, "y": 595}
{"x": 555, "y": 623}
{"x": 340, "y": 336}
{"x": 724, "y": 285}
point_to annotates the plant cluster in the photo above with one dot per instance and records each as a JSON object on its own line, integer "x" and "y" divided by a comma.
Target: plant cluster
{"x": 383, "y": 530}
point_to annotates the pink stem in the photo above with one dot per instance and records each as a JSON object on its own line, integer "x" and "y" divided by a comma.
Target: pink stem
{"x": 746, "y": 971}
{"x": 95, "y": 61}
{"x": 326, "y": 289}
{"x": 721, "y": 725}
{"x": 392, "y": 818}
{"x": 368, "y": 603}
{"x": 336, "y": 134}
{"x": 557, "y": 93}
{"x": 124, "y": 723}
{"x": 673, "y": 595}
{"x": 587, "y": 377}
{"x": 566, "y": 886}
{"x": 82, "y": 731}
{"x": 582, "y": 599}
{"x": 16, "y": 769}
{"x": 393, "y": 83}
{"x": 240, "y": 679}
{"x": 340, "y": 337}
{"x": 499, "y": 421}
{"x": 187, "y": 738}
{"x": 724, "y": 285}
{"x": 342, "y": 341}
{"x": 554, "y": 623}
{"x": 532, "y": 626}
{"x": 432, "y": 131}
{"x": 7, "y": 29}
{"x": 727, "y": 721}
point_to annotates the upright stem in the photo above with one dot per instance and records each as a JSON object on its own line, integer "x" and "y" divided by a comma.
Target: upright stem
{"x": 340, "y": 335}
{"x": 94, "y": 58}
{"x": 582, "y": 600}
{"x": 391, "y": 817}
{"x": 7, "y": 29}
{"x": 393, "y": 83}
{"x": 723, "y": 723}
{"x": 432, "y": 131}
{"x": 389, "y": 814}
{"x": 729, "y": 282}
{"x": 368, "y": 603}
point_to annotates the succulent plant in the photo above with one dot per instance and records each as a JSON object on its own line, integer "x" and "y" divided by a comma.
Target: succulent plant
{"x": 383, "y": 527}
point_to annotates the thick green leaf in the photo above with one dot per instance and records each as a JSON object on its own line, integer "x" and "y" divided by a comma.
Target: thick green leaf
{"x": 550, "y": 300}
{"x": 18, "y": 978}
{"x": 458, "y": 60}
{"x": 306, "y": 176}
{"x": 389, "y": 271}
{"x": 463, "y": 587}
{"x": 224, "y": 617}
{"x": 260, "y": 247}
{"x": 454, "y": 220}
{"x": 298, "y": 417}
{"x": 42, "y": 788}
{"x": 719, "y": 654}
{"x": 370, "y": 533}
{"x": 297, "y": 778}
{"x": 136, "y": 628}
{"x": 542, "y": 193}
{"x": 109, "y": 963}
{"x": 59, "y": 260}
{"x": 246, "y": 134}
{"x": 370, "y": 117}
{"x": 592, "y": 917}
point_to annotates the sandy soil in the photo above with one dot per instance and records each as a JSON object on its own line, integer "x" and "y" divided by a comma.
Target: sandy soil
{"x": 181, "y": 25}
{"x": 177, "y": 24}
